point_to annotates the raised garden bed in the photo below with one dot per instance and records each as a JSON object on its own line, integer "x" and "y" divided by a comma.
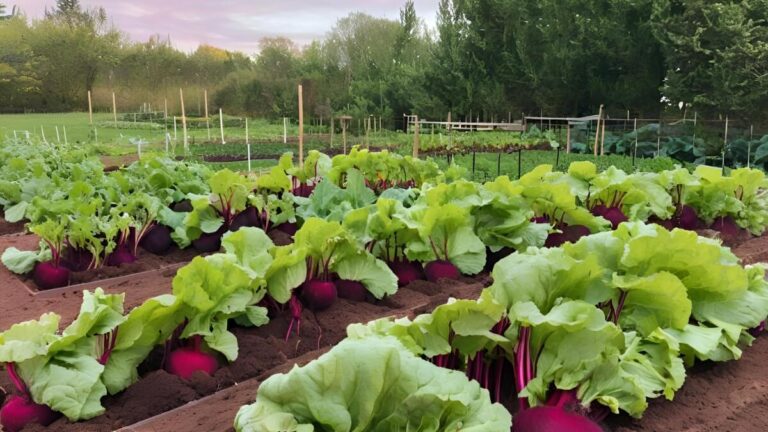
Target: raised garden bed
{"x": 263, "y": 351}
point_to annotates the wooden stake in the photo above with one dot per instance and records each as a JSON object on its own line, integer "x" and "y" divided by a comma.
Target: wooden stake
{"x": 602, "y": 140}
{"x": 333, "y": 126}
{"x": 114, "y": 109}
{"x": 207, "y": 119}
{"x": 285, "y": 130}
{"x": 597, "y": 129}
{"x": 248, "y": 144}
{"x": 221, "y": 125}
{"x": 301, "y": 126}
{"x": 634, "y": 153}
{"x": 65, "y": 135}
{"x": 184, "y": 121}
{"x": 568, "y": 138}
{"x": 90, "y": 108}
{"x": 725, "y": 142}
{"x": 58, "y": 138}
{"x": 175, "y": 131}
{"x": 42, "y": 131}
{"x": 367, "y": 132}
{"x": 344, "y": 135}
{"x": 165, "y": 111}
{"x": 416, "y": 137}
{"x": 749, "y": 145}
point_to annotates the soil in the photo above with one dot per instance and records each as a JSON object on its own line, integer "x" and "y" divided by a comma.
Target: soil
{"x": 262, "y": 350}
{"x": 7, "y": 228}
{"x": 716, "y": 397}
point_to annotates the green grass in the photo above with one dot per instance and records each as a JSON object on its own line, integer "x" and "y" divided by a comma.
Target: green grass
{"x": 117, "y": 141}
{"x": 486, "y": 164}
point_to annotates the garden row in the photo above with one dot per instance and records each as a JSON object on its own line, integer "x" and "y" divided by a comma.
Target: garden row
{"x": 374, "y": 219}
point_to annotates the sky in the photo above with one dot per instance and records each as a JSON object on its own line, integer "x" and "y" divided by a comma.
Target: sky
{"x": 233, "y": 24}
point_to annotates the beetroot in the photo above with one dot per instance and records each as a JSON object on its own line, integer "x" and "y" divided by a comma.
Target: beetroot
{"x": 727, "y": 227}
{"x": 76, "y": 260}
{"x": 552, "y": 419}
{"x": 599, "y": 210}
{"x": 351, "y": 290}
{"x": 185, "y": 361}
{"x": 48, "y": 276}
{"x": 570, "y": 233}
{"x": 157, "y": 240}
{"x": 441, "y": 269}
{"x": 246, "y": 218}
{"x": 304, "y": 190}
{"x": 688, "y": 219}
{"x": 19, "y": 412}
{"x": 208, "y": 242}
{"x": 121, "y": 255}
{"x": 406, "y": 271}
{"x": 540, "y": 219}
{"x": 318, "y": 294}
{"x": 668, "y": 224}
{"x": 289, "y": 228}
{"x": 615, "y": 216}
{"x": 184, "y": 206}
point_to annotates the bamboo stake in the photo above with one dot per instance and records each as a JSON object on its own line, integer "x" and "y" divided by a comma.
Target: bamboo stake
{"x": 184, "y": 121}
{"x": 597, "y": 129}
{"x": 725, "y": 143}
{"x": 207, "y": 119}
{"x": 175, "y": 130}
{"x": 90, "y": 108}
{"x": 65, "y": 135}
{"x": 221, "y": 125}
{"x": 42, "y": 131}
{"x": 58, "y": 138}
{"x": 416, "y": 138}
{"x": 114, "y": 109}
{"x": 602, "y": 140}
{"x": 248, "y": 144}
{"x": 301, "y": 126}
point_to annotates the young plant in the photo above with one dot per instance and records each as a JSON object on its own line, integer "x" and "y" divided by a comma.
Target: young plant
{"x": 60, "y": 372}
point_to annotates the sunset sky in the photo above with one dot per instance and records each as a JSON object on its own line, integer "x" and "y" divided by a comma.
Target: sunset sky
{"x": 233, "y": 24}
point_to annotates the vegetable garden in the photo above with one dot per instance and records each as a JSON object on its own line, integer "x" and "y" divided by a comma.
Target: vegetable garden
{"x": 165, "y": 295}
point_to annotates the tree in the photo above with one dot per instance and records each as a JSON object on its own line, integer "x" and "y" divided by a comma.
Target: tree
{"x": 716, "y": 54}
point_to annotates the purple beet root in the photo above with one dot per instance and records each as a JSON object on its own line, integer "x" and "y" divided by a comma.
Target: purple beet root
{"x": 351, "y": 290}
{"x": 303, "y": 190}
{"x": 615, "y": 216}
{"x": 540, "y": 219}
{"x": 757, "y": 331}
{"x": 208, "y": 242}
{"x": 48, "y": 276}
{"x": 184, "y": 206}
{"x": 406, "y": 271}
{"x": 289, "y": 228}
{"x": 318, "y": 294}
{"x": 688, "y": 219}
{"x": 441, "y": 269}
{"x": 186, "y": 361}
{"x": 246, "y": 218}
{"x": 157, "y": 240}
{"x": 727, "y": 227}
{"x": 599, "y": 210}
{"x": 20, "y": 412}
{"x": 121, "y": 255}
{"x": 552, "y": 419}
{"x": 76, "y": 260}
{"x": 570, "y": 233}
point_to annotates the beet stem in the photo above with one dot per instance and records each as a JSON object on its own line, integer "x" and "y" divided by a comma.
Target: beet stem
{"x": 17, "y": 381}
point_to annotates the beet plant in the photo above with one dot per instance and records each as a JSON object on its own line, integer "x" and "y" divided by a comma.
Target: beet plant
{"x": 51, "y": 274}
{"x": 327, "y": 249}
{"x": 60, "y": 373}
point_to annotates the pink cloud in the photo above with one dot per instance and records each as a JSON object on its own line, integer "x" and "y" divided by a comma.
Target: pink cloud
{"x": 233, "y": 24}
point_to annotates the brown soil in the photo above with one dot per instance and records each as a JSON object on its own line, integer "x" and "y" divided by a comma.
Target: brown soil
{"x": 7, "y": 228}
{"x": 722, "y": 397}
{"x": 261, "y": 350}
{"x": 753, "y": 250}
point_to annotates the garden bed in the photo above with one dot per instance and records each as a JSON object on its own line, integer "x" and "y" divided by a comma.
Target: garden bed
{"x": 263, "y": 352}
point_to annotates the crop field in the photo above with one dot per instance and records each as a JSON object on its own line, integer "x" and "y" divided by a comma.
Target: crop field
{"x": 389, "y": 216}
{"x": 177, "y": 292}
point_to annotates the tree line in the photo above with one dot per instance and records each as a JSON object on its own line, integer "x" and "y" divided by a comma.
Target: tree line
{"x": 488, "y": 59}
